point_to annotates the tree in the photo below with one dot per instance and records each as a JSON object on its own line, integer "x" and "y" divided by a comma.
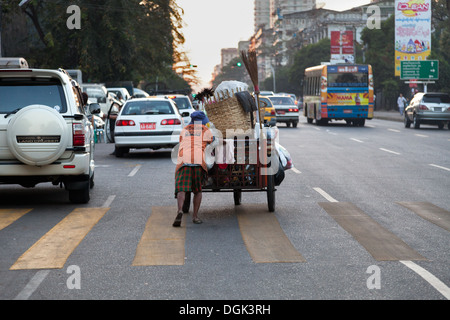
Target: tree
{"x": 290, "y": 78}
{"x": 234, "y": 70}
{"x": 118, "y": 39}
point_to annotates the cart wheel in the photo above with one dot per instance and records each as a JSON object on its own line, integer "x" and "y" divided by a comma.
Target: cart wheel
{"x": 271, "y": 192}
{"x": 237, "y": 195}
{"x": 187, "y": 202}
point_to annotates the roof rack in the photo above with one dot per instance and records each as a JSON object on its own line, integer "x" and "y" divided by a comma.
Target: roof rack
{"x": 13, "y": 63}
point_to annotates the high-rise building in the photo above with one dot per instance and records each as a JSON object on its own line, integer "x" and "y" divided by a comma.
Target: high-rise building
{"x": 262, "y": 14}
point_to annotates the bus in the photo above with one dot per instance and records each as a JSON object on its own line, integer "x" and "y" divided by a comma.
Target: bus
{"x": 338, "y": 92}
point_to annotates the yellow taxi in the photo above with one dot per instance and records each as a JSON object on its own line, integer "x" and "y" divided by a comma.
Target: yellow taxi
{"x": 268, "y": 111}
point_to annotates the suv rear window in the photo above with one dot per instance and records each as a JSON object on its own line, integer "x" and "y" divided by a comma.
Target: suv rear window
{"x": 182, "y": 102}
{"x": 442, "y": 98}
{"x": 18, "y": 93}
{"x": 147, "y": 107}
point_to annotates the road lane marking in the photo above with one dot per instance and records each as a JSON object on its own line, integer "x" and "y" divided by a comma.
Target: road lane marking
{"x": 393, "y": 130}
{"x": 440, "y": 167}
{"x": 296, "y": 170}
{"x": 135, "y": 170}
{"x": 108, "y": 201}
{"x": 8, "y": 216}
{"x": 370, "y": 126}
{"x": 263, "y": 237}
{"x": 430, "y": 212}
{"x": 421, "y": 135}
{"x": 357, "y": 140}
{"x": 390, "y": 151}
{"x": 325, "y": 195}
{"x": 430, "y": 278}
{"x": 161, "y": 244}
{"x": 32, "y": 285}
{"x": 382, "y": 244}
{"x": 55, "y": 247}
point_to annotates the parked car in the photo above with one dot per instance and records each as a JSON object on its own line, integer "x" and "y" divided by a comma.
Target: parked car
{"x": 45, "y": 133}
{"x": 286, "y": 110}
{"x": 183, "y": 104}
{"x": 147, "y": 123}
{"x": 270, "y": 117}
{"x": 123, "y": 91}
{"x": 138, "y": 93}
{"x": 428, "y": 108}
{"x": 98, "y": 93}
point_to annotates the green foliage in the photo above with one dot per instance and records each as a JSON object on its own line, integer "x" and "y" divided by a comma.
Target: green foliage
{"x": 118, "y": 39}
{"x": 232, "y": 71}
{"x": 290, "y": 78}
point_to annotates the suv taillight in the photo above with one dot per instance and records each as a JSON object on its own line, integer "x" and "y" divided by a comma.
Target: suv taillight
{"x": 78, "y": 135}
{"x": 423, "y": 107}
{"x": 170, "y": 122}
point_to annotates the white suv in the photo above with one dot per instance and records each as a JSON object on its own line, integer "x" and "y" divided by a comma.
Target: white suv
{"x": 45, "y": 134}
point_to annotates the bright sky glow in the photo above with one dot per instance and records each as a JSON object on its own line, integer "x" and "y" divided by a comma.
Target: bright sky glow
{"x": 211, "y": 25}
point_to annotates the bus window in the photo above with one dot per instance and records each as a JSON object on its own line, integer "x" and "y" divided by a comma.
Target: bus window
{"x": 348, "y": 79}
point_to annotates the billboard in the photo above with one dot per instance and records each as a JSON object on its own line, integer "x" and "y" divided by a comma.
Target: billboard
{"x": 342, "y": 48}
{"x": 412, "y": 31}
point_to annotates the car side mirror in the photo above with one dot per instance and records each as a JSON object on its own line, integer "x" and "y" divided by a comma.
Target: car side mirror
{"x": 185, "y": 114}
{"x": 94, "y": 108}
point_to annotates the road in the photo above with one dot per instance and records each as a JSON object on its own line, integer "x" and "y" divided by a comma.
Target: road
{"x": 364, "y": 215}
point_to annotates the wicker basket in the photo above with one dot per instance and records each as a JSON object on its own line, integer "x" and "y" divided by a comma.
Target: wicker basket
{"x": 229, "y": 114}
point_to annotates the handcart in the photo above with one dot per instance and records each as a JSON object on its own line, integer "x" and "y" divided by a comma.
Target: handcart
{"x": 250, "y": 172}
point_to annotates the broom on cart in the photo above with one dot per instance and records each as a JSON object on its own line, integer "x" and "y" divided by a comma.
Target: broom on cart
{"x": 251, "y": 64}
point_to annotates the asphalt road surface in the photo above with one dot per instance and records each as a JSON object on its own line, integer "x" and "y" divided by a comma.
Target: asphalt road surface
{"x": 363, "y": 215}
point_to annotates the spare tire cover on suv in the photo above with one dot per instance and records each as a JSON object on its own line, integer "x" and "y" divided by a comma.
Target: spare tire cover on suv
{"x": 37, "y": 135}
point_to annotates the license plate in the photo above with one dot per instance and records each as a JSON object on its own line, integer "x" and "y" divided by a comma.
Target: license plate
{"x": 348, "y": 111}
{"x": 148, "y": 126}
{"x": 438, "y": 109}
{"x": 281, "y": 112}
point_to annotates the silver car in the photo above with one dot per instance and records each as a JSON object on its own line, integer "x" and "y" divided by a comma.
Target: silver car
{"x": 428, "y": 108}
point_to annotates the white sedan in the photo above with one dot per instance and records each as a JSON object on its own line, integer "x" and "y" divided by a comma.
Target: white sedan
{"x": 147, "y": 123}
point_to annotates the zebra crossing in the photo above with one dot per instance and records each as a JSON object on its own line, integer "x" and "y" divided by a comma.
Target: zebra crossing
{"x": 265, "y": 241}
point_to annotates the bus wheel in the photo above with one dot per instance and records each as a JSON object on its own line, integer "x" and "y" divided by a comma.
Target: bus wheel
{"x": 361, "y": 122}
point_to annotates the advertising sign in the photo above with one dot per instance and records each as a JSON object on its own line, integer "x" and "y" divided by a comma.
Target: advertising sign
{"x": 348, "y": 99}
{"x": 342, "y": 48}
{"x": 412, "y": 31}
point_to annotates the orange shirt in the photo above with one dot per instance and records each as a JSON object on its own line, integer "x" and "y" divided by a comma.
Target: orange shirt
{"x": 193, "y": 141}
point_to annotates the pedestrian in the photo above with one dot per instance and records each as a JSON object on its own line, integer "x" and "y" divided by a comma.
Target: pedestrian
{"x": 401, "y": 101}
{"x": 191, "y": 167}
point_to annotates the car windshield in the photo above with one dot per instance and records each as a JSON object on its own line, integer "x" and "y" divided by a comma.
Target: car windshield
{"x": 281, "y": 100}
{"x": 147, "y": 107}
{"x": 436, "y": 98}
{"x": 19, "y": 93}
{"x": 182, "y": 103}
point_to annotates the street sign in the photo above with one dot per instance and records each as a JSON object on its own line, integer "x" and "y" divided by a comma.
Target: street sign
{"x": 420, "y": 70}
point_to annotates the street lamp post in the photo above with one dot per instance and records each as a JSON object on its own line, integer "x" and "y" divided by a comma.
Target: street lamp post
{"x": 273, "y": 75}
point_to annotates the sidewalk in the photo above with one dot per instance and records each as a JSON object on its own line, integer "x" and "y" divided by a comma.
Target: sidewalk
{"x": 388, "y": 115}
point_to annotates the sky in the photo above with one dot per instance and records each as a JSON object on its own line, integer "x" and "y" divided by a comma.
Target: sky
{"x": 210, "y": 25}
